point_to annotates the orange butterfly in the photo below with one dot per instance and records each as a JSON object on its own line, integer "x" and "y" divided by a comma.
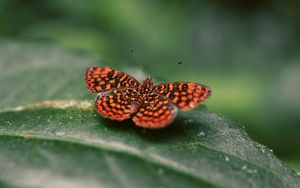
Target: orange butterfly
{"x": 152, "y": 106}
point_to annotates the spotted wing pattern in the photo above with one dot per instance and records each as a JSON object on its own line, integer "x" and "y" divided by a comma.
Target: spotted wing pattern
{"x": 156, "y": 112}
{"x": 99, "y": 79}
{"x": 118, "y": 104}
{"x": 185, "y": 95}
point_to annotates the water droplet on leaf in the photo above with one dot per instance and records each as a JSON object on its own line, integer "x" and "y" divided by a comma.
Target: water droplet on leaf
{"x": 226, "y": 158}
{"x": 244, "y": 167}
{"x": 201, "y": 134}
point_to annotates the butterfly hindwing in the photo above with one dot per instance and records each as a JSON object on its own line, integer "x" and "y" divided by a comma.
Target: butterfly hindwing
{"x": 155, "y": 112}
{"x": 118, "y": 104}
{"x": 99, "y": 79}
{"x": 185, "y": 95}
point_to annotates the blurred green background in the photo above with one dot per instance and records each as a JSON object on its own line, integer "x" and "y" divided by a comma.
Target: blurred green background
{"x": 247, "y": 51}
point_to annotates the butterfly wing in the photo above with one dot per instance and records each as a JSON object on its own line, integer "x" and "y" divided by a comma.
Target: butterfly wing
{"x": 185, "y": 95}
{"x": 118, "y": 104}
{"x": 155, "y": 112}
{"x": 99, "y": 79}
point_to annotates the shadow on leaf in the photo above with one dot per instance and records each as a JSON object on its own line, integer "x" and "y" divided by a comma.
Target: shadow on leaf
{"x": 182, "y": 125}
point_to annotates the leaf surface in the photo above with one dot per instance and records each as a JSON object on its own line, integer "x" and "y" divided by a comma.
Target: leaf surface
{"x": 63, "y": 142}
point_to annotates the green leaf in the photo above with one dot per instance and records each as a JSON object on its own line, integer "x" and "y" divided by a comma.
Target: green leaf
{"x": 37, "y": 72}
{"x": 63, "y": 142}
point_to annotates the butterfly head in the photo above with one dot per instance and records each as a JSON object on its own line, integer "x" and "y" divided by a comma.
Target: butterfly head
{"x": 146, "y": 86}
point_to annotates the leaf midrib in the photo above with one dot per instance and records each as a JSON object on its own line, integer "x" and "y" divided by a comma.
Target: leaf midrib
{"x": 133, "y": 152}
{"x": 101, "y": 146}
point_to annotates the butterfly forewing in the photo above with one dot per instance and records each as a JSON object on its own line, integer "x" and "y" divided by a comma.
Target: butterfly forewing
{"x": 118, "y": 104}
{"x": 99, "y": 79}
{"x": 185, "y": 95}
{"x": 155, "y": 112}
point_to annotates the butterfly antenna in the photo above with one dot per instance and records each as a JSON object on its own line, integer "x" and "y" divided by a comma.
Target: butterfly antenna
{"x": 179, "y": 62}
{"x": 132, "y": 54}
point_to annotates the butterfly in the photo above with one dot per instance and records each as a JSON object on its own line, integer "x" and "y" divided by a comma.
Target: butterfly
{"x": 120, "y": 97}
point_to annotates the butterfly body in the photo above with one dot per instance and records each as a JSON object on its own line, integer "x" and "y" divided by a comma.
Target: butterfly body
{"x": 146, "y": 86}
{"x": 121, "y": 97}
